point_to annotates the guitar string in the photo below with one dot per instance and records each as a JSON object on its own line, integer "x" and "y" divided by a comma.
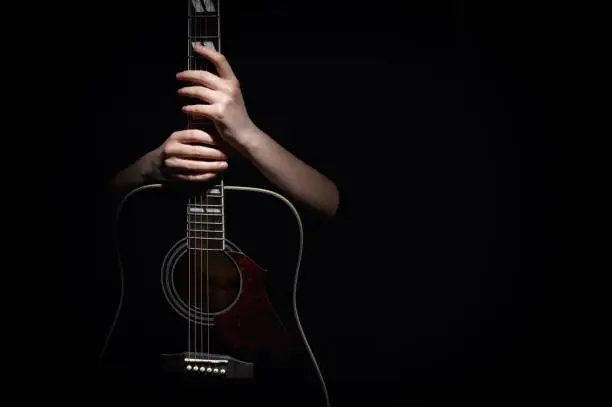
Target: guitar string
{"x": 204, "y": 197}
{"x": 206, "y": 254}
{"x": 207, "y": 236}
{"x": 220, "y": 184}
{"x": 203, "y": 242}
{"x": 190, "y": 222}
{"x": 198, "y": 253}
{"x": 221, "y": 179}
{"x": 203, "y": 222}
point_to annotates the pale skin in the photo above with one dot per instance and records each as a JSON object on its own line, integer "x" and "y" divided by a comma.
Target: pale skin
{"x": 180, "y": 159}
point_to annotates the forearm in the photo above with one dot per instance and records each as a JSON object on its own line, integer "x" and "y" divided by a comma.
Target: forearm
{"x": 293, "y": 176}
{"x": 138, "y": 173}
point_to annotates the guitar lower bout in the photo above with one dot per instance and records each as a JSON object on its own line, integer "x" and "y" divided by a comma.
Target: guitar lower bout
{"x": 221, "y": 295}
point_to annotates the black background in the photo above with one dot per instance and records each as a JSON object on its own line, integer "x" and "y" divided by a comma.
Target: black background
{"x": 426, "y": 114}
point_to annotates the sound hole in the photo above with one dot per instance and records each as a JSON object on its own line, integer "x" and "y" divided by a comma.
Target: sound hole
{"x": 207, "y": 281}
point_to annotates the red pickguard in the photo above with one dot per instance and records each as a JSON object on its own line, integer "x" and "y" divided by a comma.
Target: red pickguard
{"x": 252, "y": 322}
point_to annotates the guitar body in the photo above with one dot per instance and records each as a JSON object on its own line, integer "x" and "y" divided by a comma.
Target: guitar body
{"x": 197, "y": 325}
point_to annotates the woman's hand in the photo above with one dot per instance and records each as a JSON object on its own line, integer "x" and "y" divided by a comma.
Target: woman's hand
{"x": 188, "y": 155}
{"x": 225, "y": 105}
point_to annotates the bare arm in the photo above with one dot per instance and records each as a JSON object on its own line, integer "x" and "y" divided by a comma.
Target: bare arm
{"x": 290, "y": 174}
{"x": 178, "y": 158}
{"x": 138, "y": 173}
{"x": 283, "y": 169}
{"x": 187, "y": 155}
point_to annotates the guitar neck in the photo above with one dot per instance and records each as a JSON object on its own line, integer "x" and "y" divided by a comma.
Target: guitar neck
{"x": 203, "y": 26}
{"x": 205, "y": 211}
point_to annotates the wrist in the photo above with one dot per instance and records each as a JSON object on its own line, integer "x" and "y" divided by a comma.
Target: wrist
{"x": 144, "y": 170}
{"x": 251, "y": 141}
{"x": 149, "y": 166}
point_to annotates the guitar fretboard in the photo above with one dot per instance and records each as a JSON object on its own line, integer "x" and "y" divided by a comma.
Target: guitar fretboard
{"x": 205, "y": 212}
{"x": 203, "y": 24}
{"x": 205, "y": 221}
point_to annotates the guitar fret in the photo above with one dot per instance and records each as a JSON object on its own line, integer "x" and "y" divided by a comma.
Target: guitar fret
{"x": 200, "y": 238}
{"x": 206, "y": 249}
{"x": 200, "y": 59}
{"x": 210, "y": 202}
{"x": 204, "y": 230}
{"x": 202, "y": 37}
{"x": 203, "y": 204}
{"x": 217, "y": 222}
{"x": 210, "y": 194}
{"x": 218, "y": 203}
{"x": 205, "y": 219}
{"x": 203, "y": 201}
{"x": 207, "y": 243}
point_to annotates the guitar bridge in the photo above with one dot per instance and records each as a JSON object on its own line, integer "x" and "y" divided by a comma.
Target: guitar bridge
{"x": 209, "y": 364}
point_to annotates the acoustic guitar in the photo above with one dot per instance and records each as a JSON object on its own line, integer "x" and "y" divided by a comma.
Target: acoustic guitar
{"x": 197, "y": 320}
